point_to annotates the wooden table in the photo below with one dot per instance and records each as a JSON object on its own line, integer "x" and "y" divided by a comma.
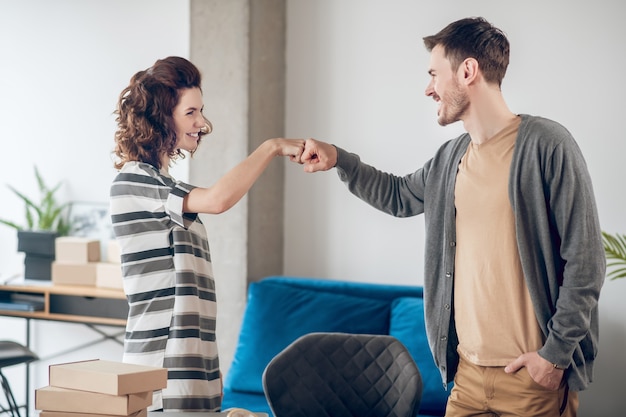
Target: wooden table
{"x": 90, "y": 306}
{"x": 195, "y": 414}
{"x": 77, "y": 304}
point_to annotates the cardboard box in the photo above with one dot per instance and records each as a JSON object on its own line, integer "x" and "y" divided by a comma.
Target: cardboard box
{"x": 109, "y": 275}
{"x": 107, "y": 377}
{"x": 46, "y": 413}
{"x": 60, "y": 399}
{"x": 77, "y": 250}
{"x": 74, "y": 274}
{"x": 114, "y": 252}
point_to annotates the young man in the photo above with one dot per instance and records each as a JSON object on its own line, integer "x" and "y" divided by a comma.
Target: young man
{"x": 514, "y": 261}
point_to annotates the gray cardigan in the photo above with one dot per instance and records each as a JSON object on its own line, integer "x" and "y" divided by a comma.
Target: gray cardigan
{"x": 558, "y": 237}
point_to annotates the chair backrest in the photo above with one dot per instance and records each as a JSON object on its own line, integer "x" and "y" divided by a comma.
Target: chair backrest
{"x": 13, "y": 353}
{"x": 342, "y": 375}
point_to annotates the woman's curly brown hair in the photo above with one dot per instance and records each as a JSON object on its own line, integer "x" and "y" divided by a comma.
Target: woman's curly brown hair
{"x": 144, "y": 114}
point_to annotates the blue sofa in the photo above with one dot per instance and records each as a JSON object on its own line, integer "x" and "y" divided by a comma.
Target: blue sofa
{"x": 281, "y": 309}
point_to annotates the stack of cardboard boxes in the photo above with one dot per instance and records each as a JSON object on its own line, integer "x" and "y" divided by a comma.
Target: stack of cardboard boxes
{"x": 109, "y": 273}
{"x": 78, "y": 262}
{"x": 99, "y": 388}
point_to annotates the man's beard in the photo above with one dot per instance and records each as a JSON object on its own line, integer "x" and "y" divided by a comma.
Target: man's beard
{"x": 455, "y": 104}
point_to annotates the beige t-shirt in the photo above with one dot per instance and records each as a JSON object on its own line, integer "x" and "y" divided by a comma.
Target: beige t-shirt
{"x": 494, "y": 315}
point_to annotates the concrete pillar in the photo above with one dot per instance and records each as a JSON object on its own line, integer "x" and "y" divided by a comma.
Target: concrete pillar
{"x": 239, "y": 45}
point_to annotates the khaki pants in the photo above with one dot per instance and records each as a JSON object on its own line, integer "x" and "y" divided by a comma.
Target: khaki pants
{"x": 489, "y": 391}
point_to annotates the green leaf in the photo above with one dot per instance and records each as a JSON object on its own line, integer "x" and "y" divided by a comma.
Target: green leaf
{"x": 30, "y": 220}
{"x": 11, "y": 224}
{"x": 47, "y": 214}
{"x": 615, "y": 250}
{"x": 27, "y": 201}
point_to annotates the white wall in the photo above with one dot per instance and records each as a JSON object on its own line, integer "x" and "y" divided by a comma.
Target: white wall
{"x": 63, "y": 65}
{"x": 356, "y": 77}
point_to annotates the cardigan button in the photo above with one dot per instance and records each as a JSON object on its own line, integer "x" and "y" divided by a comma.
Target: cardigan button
{"x": 448, "y": 274}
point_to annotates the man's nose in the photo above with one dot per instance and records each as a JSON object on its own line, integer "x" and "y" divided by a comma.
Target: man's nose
{"x": 429, "y": 89}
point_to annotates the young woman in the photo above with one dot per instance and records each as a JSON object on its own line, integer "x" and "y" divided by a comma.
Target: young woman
{"x": 166, "y": 262}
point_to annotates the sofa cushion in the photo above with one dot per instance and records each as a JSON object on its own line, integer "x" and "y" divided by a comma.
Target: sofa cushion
{"x": 407, "y": 325}
{"x": 276, "y": 315}
{"x": 378, "y": 291}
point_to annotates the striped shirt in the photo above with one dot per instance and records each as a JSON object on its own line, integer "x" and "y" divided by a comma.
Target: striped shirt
{"x": 168, "y": 280}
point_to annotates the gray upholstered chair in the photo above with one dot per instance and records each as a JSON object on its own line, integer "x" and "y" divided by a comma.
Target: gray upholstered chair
{"x": 343, "y": 375}
{"x": 12, "y": 353}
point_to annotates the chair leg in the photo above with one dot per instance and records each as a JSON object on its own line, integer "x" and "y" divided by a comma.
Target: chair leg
{"x": 14, "y": 409}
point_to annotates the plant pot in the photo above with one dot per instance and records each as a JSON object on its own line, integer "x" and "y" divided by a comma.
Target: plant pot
{"x": 39, "y": 247}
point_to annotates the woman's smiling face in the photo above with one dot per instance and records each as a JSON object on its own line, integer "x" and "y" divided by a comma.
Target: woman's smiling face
{"x": 188, "y": 119}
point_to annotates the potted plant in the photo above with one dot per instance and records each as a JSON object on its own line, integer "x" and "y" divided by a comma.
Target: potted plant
{"x": 46, "y": 220}
{"x": 615, "y": 250}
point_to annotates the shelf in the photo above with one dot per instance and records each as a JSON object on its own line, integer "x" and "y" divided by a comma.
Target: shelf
{"x": 78, "y": 304}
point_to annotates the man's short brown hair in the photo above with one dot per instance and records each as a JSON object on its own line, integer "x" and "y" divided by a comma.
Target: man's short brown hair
{"x": 476, "y": 38}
